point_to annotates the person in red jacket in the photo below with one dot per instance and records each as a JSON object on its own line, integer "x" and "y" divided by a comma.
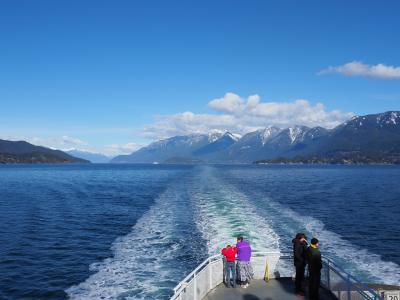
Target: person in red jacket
{"x": 229, "y": 253}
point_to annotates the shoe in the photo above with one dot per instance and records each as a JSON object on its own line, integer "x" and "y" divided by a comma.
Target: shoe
{"x": 300, "y": 294}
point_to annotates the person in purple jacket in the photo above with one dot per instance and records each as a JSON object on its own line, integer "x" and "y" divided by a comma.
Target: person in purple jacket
{"x": 244, "y": 268}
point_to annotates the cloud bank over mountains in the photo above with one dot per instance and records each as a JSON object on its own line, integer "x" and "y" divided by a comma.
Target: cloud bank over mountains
{"x": 242, "y": 115}
{"x": 357, "y": 68}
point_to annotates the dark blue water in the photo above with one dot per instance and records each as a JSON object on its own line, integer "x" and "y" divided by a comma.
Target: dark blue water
{"x": 132, "y": 232}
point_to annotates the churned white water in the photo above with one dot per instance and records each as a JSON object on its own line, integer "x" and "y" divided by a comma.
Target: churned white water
{"x": 223, "y": 213}
{"x": 145, "y": 262}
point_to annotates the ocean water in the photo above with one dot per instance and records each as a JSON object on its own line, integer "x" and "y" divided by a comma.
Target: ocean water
{"x": 134, "y": 231}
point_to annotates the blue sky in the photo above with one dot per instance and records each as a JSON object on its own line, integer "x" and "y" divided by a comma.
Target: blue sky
{"x": 109, "y": 76}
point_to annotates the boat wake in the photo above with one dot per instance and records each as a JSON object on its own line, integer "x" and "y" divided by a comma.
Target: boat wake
{"x": 197, "y": 216}
{"x": 191, "y": 220}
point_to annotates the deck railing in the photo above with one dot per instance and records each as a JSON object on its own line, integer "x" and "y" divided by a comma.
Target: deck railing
{"x": 343, "y": 285}
{"x": 266, "y": 265}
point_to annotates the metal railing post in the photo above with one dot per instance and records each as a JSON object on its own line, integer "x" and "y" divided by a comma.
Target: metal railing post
{"x": 210, "y": 272}
{"x": 329, "y": 275}
{"x": 194, "y": 286}
{"x": 348, "y": 287}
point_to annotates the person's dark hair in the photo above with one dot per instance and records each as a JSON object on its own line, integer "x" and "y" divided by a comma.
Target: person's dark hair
{"x": 300, "y": 235}
{"x": 240, "y": 238}
{"x": 314, "y": 241}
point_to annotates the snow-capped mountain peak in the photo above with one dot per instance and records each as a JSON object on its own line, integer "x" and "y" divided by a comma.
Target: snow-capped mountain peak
{"x": 215, "y": 135}
{"x": 297, "y": 133}
{"x": 233, "y": 136}
{"x": 267, "y": 133}
{"x": 390, "y": 118}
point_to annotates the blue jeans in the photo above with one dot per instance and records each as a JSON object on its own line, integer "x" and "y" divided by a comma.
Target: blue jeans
{"x": 230, "y": 273}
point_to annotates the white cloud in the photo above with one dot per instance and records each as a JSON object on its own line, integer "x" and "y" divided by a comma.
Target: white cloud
{"x": 240, "y": 115}
{"x": 232, "y": 103}
{"x": 67, "y": 140}
{"x": 357, "y": 68}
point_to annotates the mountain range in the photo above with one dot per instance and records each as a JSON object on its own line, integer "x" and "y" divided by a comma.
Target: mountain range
{"x": 370, "y": 138}
{"x": 24, "y": 152}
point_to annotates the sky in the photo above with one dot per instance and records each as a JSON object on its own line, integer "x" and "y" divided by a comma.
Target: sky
{"x": 112, "y": 76}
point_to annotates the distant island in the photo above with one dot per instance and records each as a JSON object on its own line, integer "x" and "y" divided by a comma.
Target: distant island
{"x": 370, "y": 139}
{"x": 21, "y": 152}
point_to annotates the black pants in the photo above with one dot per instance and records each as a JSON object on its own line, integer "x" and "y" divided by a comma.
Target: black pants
{"x": 299, "y": 278}
{"x": 314, "y": 282}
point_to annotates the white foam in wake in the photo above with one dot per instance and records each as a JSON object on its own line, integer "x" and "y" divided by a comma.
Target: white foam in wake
{"x": 222, "y": 213}
{"x": 144, "y": 262}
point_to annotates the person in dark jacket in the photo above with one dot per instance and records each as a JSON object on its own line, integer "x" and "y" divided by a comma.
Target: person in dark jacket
{"x": 314, "y": 269}
{"x": 300, "y": 261}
